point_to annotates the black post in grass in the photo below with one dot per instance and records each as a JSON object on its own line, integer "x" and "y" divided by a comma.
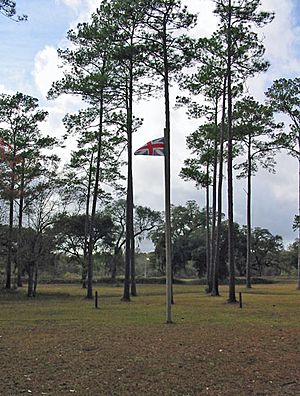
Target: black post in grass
{"x": 240, "y": 300}
{"x": 96, "y": 299}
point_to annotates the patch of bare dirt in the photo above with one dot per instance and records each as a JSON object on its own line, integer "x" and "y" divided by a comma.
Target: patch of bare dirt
{"x": 50, "y": 359}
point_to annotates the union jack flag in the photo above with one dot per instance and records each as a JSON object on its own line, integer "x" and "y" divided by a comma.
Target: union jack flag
{"x": 155, "y": 147}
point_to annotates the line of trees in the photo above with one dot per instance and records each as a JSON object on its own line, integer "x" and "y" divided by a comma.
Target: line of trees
{"x": 236, "y": 126}
{"x": 128, "y": 51}
{"x": 62, "y": 245}
{"x": 268, "y": 256}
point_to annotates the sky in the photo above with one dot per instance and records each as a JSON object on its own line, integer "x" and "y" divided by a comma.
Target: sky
{"x": 29, "y": 64}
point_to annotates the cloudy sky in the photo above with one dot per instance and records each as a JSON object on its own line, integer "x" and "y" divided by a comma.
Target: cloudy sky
{"x": 28, "y": 63}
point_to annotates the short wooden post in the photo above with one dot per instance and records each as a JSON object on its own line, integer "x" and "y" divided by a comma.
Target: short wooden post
{"x": 96, "y": 299}
{"x": 240, "y": 300}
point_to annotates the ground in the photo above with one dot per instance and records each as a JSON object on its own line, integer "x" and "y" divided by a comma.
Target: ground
{"x": 59, "y": 344}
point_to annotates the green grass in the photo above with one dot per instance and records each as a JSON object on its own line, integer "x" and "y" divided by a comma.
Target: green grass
{"x": 264, "y": 305}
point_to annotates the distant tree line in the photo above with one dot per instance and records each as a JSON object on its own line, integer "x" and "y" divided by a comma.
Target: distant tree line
{"x": 62, "y": 245}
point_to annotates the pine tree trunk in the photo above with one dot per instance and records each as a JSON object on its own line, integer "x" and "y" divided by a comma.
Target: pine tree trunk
{"x": 133, "y": 282}
{"x": 215, "y": 272}
{"x": 248, "y": 262}
{"x": 9, "y": 247}
{"x": 130, "y": 197}
{"x": 298, "y": 283}
{"x": 231, "y": 297}
{"x": 128, "y": 247}
{"x": 129, "y": 200}
{"x": 94, "y": 204}
{"x": 214, "y": 202}
{"x": 169, "y": 293}
{"x": 86, "y": 226}
{"x": 35, "y": 280}
{"x": 208, "y": 240}
{"x": 30, "y": 280}
{"x": 20, "y": 225}
{"x": 10, "y": 232}
{"x": 172, "y": 283}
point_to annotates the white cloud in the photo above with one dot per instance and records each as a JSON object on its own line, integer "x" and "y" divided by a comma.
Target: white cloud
{"x": 81, "y": 8}
{"x": 281, "y": 38}
{"x": 284, "y": 183}
{"x": 46, "y": 69}
{"x": 74, "y": 4}
{"x": 206, "y": 22}
{"x": 5, "y": 90}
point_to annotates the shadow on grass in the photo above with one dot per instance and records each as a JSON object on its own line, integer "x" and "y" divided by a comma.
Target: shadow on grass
{"x": 270, "y": 292}
{"x": 20, "y": 294}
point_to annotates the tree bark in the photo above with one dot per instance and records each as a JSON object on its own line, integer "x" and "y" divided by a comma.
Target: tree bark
{"x": 128, "y": 245}
{"x": 133, "y": 281}
{"x": 208, "y": 239}
{"x": 298, "y": 282}
{"x": 129, "y": 200}
{"x": 130, "y": 197}
{"x": 30, "y": 280}
{"x": 232, "y": 296}
{"x": 35, "y": 280}
{"x": 214, "y": 202}
{"x": 215, "y": 271}
{"x": 86, "y": 225}
{"x": 20, "y": 225}
{"x": 9, "y": 245}
{"x": 11, "y": 223}
{"x": 94, "y": 204}
{"x": 249, "y": 193}
{"x": 167, "y": 180}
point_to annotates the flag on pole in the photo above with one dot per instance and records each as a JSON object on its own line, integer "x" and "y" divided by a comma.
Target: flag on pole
{"x": 154, "y": 147}
{"x": 157, "y": 147}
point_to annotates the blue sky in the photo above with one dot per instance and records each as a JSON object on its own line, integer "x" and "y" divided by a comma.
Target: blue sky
{"x": 20, "y": 42}
{"x": 47, "y": 26}
{"x": 28, "y": 63}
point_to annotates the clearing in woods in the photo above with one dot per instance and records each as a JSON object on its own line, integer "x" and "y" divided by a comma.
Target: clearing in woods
{"x": 59, "y": 344}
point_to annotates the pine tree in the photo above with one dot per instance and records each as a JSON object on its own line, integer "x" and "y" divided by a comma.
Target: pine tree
{"x": 254, "y": 127}
{"x": 168, "y": 54}
{"x": 90, "y": 75}
{"x": 284, "y": 97}
{"x": 243, "y": 53}
{"x": 24, "y": 161}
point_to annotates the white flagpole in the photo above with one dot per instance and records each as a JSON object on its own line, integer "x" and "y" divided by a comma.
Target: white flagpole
{"x": 167, "y": 221}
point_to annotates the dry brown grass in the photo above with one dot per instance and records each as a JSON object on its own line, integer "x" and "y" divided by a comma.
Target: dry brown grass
{"x": 59, "y": 344}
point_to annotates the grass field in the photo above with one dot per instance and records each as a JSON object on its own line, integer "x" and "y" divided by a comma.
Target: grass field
{"x": 59, "y": 344}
